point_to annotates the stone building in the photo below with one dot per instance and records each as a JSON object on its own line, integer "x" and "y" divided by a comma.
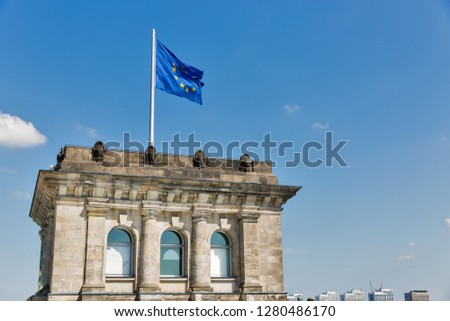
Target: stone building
{"x": 114, "y": 227}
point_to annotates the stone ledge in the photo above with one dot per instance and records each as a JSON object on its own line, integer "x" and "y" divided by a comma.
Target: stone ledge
{"x": 79, "y": 156}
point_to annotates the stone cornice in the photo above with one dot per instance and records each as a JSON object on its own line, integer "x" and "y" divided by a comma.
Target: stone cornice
{"x": 124, "y": 205}
{"x": 73, "y": 201}
{"x": 97, "y": 206}
{"x": 201, "y": 211}
{"x": 151, "y": 205}
{"x": 103, "y": 191}
{"x": 151, "y": 209}
{"x": 43, "y": 202}
{"x": 249, "y": 214}
{"x": 120, "y": 185}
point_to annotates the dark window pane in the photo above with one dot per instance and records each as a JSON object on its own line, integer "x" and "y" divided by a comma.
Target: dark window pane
{"x": 219, "y": 239}
{"x": 119, "y": 236}
{"x": 170, "y": 237}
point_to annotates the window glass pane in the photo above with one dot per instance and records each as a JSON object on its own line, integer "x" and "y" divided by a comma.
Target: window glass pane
{"x": 219, "y": 239}
{"x": 220, "y": 264}
{"x": 118, "y": 253}
{"x": 118, "y": 260}
{"x": 171, "y": 261}
{"x": 170, "y": 237}
{"x": 119, "y": 236}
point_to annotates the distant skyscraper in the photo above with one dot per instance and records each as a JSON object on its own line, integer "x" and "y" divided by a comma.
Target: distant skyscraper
{"x": 381, "y": 295}
{"x": 417, "y": 295}
{"x": 328, "y": 296}
{"x": 353, "y": 295}
{"x": 295, "y": 297}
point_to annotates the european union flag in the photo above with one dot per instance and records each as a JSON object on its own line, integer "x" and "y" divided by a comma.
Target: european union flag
{"x": 175, "y": 77}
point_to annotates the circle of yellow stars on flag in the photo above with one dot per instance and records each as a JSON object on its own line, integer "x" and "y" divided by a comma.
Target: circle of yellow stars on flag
{"x": 182, "y": 85}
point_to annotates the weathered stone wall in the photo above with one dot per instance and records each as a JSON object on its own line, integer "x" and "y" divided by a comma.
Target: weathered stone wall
{"x": 271, "y": 258}
{"x": 69, "y": 248}
{"x": 81, "y": 203}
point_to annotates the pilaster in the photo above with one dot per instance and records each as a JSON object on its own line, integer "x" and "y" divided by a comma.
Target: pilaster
{"x": 49, "y": 248}
{"x": 43, "y": 259}
{"x": 94, "y": 277}
{"x": 201, "y": 263}
{"x": 150, "y": 250}
{"x": 249, "y": 248}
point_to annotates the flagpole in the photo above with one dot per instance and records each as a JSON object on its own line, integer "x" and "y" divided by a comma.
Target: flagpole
{"x": 152, "y": 90}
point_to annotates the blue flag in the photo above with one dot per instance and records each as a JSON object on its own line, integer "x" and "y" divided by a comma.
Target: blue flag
{"x": 175, "y": 77}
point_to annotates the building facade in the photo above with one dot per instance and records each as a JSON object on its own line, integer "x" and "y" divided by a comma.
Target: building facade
{"x": 417, "y": 295}
{"x": 180, "y": 228}
{"x": 328, "y": 296}
{"x": 381, "y": 295}
{"x": 353, "y": 295}
{"x": 295, "y": 297}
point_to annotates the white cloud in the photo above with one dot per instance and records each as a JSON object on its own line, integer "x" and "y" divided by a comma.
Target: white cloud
{"x": 321, "y": 126}
{"x": 448, "y": 221}
{"x": 23, "y": 195}
{"x": 17, "y": 133}
{"x": 291, "y": 109}
{"x": 7, "y": 170}
{"x": 406, "y": 258}
{"x": 90, "y": 132}
{"x": 412, "y": 244}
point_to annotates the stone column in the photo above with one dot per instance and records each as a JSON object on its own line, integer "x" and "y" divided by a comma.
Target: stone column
{"x": 43, "y": 259}
{"x": 150, "y": 251}
{"x": 94, "y": 275}
{"x": 49, "y": 249}
{"x": 201, "y": 249}
{"x": 249, "y": 248}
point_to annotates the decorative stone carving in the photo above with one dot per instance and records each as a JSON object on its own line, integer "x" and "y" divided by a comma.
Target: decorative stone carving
{"x": 246, "y": 164}
{"x": 59, "y": 158}
{"x": 150, "y": 155}
{"x": 199, "y": 159}
{"x": 97, "y": 151}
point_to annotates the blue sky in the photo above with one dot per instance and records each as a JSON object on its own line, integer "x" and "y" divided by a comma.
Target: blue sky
{"x": 374, "y": 73}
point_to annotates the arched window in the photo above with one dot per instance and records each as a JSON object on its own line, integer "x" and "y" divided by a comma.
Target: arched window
{"x": 171, "y": 260}
{"x": 119, "y": 253}
{"x": 220, "y": 255}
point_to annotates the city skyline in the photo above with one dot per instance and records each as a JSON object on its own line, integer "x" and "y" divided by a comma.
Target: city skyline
{"x": 375, "y": 75}
{"x": 360, "y": 295}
